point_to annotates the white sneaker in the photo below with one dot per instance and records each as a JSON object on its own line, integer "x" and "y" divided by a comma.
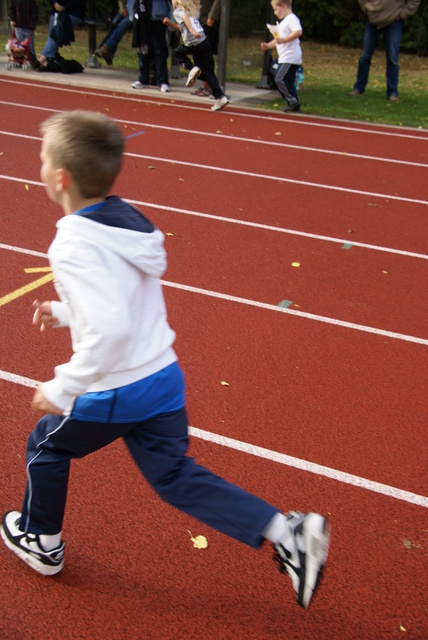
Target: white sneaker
{"x": 164, "y": 88}
{"x": 194, "y": 73}
{"x": 220, "y": 103}
{"x": 28, "y": 548}
{"x": 304, "y": 565}
{"x": 139, "y": 85}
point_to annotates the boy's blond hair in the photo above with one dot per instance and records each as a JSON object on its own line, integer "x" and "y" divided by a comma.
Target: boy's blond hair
{"x": 281, "y": 3}
{"x": 191, "y": 7}
{"x": 89, "y": 145}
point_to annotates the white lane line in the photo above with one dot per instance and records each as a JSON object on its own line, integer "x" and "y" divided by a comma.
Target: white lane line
{"x": 274, "y": 456}
{"x": 270, "y": 307}
{"x": 299, "y": 314}
{"x": 266, "y": 227}
{"x": 342, "y": 154}
{"x": 311, "y": 467}
{"x": 246, "y": 223}
{"x": 262, "y": 176}
{"x": 319, "y": 122}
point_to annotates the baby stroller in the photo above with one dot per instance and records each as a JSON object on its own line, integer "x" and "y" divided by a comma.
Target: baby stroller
{"x": 18, "y": 52}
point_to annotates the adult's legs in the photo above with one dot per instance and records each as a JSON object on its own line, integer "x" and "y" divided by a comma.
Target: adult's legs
{"x": 144, "y": 67}
{"x": 159, "y": 447}
{"x": 159, "y": 50}
{"x": 23, "y": 34}
{"x": 392, "y": 38}
{"x": 51, "y": 46}
{"x": 370, "y": 40}
{"x": 117, "y": 34}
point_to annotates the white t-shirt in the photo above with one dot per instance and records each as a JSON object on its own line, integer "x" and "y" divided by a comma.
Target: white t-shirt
{"x": 290, "y": 52}
{"x": 188, "y": 38}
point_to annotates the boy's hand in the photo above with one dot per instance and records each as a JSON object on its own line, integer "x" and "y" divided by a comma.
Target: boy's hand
{"x": 43, "y": 315}
{"x": 264, "y": 46}
{"x": 167, "y": 21}
{"x": 41, "y": 403}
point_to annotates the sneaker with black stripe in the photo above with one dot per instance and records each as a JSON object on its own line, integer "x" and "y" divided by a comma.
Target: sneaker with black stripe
{"x": 305, "y": 564}
{"x": 27, "y": 546}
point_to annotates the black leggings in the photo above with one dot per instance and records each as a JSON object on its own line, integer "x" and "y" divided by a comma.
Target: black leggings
{"x": 203, "y": 58}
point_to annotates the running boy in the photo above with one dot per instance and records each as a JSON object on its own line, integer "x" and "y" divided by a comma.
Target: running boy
{"x": 195, "y": 44}
{"x": 287, "y": 42}
{"x": 123, "y": 379}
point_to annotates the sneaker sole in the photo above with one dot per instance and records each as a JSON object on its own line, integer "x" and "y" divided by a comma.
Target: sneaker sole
{"x": 32, "y": 561}
{"x": 316, "y": 535}
{"x": 192, "y": 79}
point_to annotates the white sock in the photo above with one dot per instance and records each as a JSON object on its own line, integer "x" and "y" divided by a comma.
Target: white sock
{"x": 279, "y": 531}
{"x": 50, "y": 542}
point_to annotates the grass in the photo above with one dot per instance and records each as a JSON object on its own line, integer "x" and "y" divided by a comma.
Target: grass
{"x": 329, "y": 70}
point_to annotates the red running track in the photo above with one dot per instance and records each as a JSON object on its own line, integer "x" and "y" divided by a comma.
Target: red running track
{"x": 335, "y": 378}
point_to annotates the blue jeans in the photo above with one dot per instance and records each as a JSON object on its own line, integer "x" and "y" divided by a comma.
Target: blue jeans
{"x": 392, "y": 39}
{"x": 22, "y": 34}
{"x": 51, "y": 47}
{"x": 117, "y": 34}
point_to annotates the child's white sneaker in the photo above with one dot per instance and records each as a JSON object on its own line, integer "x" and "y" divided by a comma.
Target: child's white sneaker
{"x": 28, "y": 548}
{"x": 194, "y": 73}
{"x": 304, "y": 564}
{"x": 220, "y": 103}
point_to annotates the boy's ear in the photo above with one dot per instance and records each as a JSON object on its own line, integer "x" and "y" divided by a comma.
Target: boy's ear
{"x": 62, "y": 179}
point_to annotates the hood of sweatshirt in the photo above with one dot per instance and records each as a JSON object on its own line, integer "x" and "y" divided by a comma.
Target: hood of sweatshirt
{"x": 123, "y": 230}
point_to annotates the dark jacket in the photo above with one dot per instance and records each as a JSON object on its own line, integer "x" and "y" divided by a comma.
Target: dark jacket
{"x": 141, "y": 23}
{"x": 24, "y": 13}
{"x": 73, "y": 7}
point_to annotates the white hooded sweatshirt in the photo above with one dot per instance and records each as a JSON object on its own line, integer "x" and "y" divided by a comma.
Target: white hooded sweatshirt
{"x": 107, "y": 263}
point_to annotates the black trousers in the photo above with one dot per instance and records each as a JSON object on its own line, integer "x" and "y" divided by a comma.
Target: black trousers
{"x": 203, "y": 58}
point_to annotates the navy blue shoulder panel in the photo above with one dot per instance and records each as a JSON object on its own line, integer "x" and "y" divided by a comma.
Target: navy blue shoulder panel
{"x": 114, "y": 212}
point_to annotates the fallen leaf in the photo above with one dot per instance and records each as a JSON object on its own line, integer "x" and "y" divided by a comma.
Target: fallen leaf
{"x": 278, "y": 133}
{"x": 218, "y": 131}
{"x": 295, "y": 264}
{"x": 386, "y": 272}
{"x": 27, "y": 187}
{"x": 181, "y": 179}
{"x": 169, "y": 234}
{"x": 151, "y": 167}
{"x": 402, "y": 628}
{"x": 224, "y": 383}
{"x": 200, "y": 542}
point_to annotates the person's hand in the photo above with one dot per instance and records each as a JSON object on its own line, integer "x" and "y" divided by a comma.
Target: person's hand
{"x": 264, "y": 46}
{"x": 12, "y": 24}
{"x": 124, "y": 13}
{"x": 58, "y": 7}
{"x": 43, "y": 315}
{"x": 41, "y": 403}
{"x": 210, "y": 22}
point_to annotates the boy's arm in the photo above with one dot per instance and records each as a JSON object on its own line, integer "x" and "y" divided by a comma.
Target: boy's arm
{"x": 266, "y": 46}
{"x": 293, "y": 36}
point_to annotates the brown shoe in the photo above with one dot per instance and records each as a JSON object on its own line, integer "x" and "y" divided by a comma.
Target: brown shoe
{"x": 394, "y": 98}
{"x": 104, "y": 52}
{"x": 354, "y": 92}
